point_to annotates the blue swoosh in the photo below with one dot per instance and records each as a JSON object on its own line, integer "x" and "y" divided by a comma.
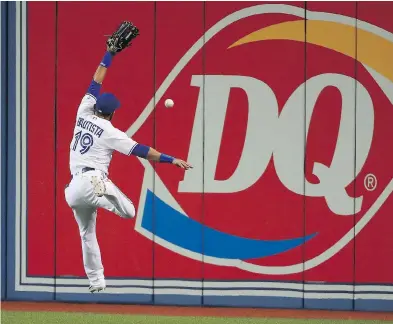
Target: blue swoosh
{"x": 172, "y": 226}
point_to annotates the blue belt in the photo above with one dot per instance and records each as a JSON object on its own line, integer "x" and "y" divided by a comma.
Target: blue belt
{"x": 85, "y": 169}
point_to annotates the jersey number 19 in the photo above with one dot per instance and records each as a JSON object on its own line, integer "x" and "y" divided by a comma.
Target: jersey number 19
{"x": 85, "y": 140}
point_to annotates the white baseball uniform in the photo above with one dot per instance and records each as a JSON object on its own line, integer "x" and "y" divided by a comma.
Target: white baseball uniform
{"x": 92, "y": 146}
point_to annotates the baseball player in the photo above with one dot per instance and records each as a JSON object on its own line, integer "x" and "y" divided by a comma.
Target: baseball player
{"x": 95, "y": 139}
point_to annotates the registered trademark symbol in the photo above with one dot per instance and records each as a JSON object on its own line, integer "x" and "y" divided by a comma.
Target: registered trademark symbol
{"x": 370, "y": 182}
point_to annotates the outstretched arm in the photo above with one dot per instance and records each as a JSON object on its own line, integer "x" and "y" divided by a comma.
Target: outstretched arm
{"x": 120, "y": 142}
{"x": 99, "y": 75}
{"x": 152, "y": 154}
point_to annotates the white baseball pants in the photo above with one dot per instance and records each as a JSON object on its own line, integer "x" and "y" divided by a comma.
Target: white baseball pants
{"x": 81, "y": 198}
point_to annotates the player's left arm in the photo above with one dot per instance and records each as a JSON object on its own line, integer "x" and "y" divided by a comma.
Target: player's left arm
{"x": 86, "y": 106}
{"x": 99, "y": 76}
{"x": 116, "y": 43}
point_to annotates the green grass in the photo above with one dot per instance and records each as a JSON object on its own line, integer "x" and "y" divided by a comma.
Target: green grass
{"x": 8, "y": 317}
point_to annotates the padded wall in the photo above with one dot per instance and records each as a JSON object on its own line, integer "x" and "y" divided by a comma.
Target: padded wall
{"x": 284, "y": 111}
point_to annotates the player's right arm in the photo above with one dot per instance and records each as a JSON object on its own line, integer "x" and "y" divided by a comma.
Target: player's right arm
{"x": 120, "y": 142}
{"x": 152, "y": 154}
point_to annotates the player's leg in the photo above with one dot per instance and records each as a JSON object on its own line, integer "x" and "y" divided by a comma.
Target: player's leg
{"x": 110, "y": 197}
{"x": 104, "y": 203}
{"x": 86, "y": 219}
{"x": 80, "y": 196}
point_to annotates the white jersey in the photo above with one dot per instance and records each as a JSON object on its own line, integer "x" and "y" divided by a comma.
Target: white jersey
{"x": 95, "y": 139}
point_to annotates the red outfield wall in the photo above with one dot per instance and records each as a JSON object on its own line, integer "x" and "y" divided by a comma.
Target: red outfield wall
{"x": 288, "y": 125}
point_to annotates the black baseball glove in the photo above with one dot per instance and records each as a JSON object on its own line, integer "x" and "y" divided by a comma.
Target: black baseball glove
{"x": 122, "y": 37}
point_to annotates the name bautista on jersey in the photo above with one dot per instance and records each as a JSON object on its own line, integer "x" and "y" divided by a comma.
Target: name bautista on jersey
{"x": 91, "y": 127}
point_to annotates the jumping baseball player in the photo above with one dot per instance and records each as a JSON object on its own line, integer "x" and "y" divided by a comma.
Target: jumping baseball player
{"x": 95, "y": 139}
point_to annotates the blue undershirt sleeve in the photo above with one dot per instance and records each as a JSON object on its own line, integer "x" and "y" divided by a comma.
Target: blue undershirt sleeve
{"x": 94, "y": 89}
{"x": 140, "y": 150}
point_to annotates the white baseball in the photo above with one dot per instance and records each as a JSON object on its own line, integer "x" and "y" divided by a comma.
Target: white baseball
{"x": 169, "y": 103}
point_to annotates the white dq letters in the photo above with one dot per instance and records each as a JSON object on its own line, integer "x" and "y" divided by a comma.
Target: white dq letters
{"x": 283, "y": 136}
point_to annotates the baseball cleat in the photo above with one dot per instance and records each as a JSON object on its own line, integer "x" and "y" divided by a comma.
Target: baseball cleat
{"x": 99, "y": 186}
{"x": 96, "y": 289}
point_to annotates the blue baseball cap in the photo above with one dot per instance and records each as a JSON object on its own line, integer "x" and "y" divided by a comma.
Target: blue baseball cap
{"x": 107, "y": 103}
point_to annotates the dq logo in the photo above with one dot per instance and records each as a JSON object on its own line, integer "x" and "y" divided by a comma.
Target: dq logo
{"x": 271, "y": 137}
